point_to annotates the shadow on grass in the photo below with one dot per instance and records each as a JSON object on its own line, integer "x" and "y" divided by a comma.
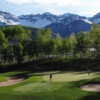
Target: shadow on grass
{"x": 65, "y": 65}
{"x": 19, "y": 76}
{"x": 60, "y": 65}
{"x": 92, "y": 96}
{"x": 89, "y": 94}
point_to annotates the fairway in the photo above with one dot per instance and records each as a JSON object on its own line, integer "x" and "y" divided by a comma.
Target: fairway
{"x": 36, "y": 87}
{"x": 46, "y": 85}
{"x": 65, "y": 85}
{"x": 71, "y": 76}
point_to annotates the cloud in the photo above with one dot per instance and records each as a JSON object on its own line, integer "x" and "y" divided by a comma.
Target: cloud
{"x": 91, "y": 3}
{"x": 47, "y": 2}
{"x": 89, "y": 12}
{"x": 59, "y": 2}
{"x": 18, "y": 9}
{"x": 83, "y": 7}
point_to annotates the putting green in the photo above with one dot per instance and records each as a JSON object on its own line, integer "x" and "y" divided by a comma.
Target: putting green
{"x": 71, "y": 76}
{"x": 37, "y": 87}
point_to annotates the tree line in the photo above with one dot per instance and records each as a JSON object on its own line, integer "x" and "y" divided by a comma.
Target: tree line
{"x": 17, "y": 43}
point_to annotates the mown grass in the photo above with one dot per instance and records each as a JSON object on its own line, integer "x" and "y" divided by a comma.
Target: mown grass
{"x": 71, "y": 76}
{"x": 2, "y": 79}
{"x": 36, "y": 88}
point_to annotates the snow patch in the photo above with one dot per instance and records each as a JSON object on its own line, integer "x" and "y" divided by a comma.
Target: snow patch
{"x": 42, "y": 23}
{"x": 39, "y": 24}
{"x": 25, "y": 22}
{"x": 13, "y": 22}
{"x": 2, "y": 19}
{"x": 86, "y": 20}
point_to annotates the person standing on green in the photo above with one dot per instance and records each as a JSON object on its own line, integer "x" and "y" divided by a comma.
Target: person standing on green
{"x": 50, "y": 77}
{"x": 89, "y": 71}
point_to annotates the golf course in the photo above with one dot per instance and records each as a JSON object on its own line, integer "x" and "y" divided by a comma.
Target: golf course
{"x": 33, "y": 81}
{"x": 41, "y": 64}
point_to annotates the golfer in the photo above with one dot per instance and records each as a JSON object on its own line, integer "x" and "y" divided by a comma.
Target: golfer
{"x": 89, "y": 71}
{"x": 50, "y": 77}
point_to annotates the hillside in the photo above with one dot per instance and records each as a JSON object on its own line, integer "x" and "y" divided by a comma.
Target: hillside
{"x": 32, "y": 29}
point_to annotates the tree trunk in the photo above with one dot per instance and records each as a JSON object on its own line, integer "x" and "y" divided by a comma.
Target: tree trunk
{"x": 66, "y": 55}
{"x": 94, "y": 54}
{"x": 56, "y": 55}
{"x": 81, "y": 54}
{"x": 33, "y": 57}
{"x": 48, "y": 55}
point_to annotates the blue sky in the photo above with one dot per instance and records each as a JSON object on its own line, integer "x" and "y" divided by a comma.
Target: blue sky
{"x": 23, "y": 7}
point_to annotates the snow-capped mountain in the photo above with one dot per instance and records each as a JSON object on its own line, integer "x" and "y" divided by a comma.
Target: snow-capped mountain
{"x": 64, "y": 24}
{"x": 38, "y": 20}
{"x": 95, "y": 18}
{"x": 45, "y": 19}
{"x": 8, "y": 19}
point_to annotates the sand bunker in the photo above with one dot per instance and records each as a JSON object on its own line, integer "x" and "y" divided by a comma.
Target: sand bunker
{"x": 91, "y": 87}
{"x": 13, "y": 80}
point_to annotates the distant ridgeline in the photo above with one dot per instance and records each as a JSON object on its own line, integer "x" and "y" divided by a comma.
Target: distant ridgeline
{"x": 32, "y": 29}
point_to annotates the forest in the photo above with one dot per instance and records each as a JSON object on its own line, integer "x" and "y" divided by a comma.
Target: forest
{"x": 17, "y": 45}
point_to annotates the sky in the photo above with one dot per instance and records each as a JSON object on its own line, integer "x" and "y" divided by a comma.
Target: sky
{"x": 86, "y": 8}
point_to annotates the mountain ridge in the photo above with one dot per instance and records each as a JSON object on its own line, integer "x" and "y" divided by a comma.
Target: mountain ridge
{"x": 62, "y": 24}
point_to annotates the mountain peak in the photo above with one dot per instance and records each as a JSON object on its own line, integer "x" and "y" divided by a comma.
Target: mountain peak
{"x": 0, "y": 11}
{"x": 66, "y": 14}
{"x": 95, "y": 18}
{"x": 47, "y": 13}
{"x": 98, "y": 14}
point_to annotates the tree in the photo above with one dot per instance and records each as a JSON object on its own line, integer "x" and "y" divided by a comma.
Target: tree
{"x": 72, "y": 43}
{"x": 2, "y": 38}
{"x": 87, "y": 41}
{"x": 80, "y": 43}
{"x": 49, "y": 47}
{"x": 58, "y": 44}
{"x": 43, "y": 36}
{"x": 7, "y": 52}
{"x": 32, "y": 48}
{"x": 4, "y": 53}
{"x": 65, "y": 46}
{"x": 17, "y": 33}
{"x": 17, "y": 51}
{"x": 3, "y": 42}
{"x": 95, "y": 36}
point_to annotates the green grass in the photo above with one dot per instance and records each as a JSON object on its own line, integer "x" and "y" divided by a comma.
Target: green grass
{"x": 71, "y": 76}
{"x": 68, "y": 76}
{"x": 37, "y": 87}
{"x": 2, "y": 79}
